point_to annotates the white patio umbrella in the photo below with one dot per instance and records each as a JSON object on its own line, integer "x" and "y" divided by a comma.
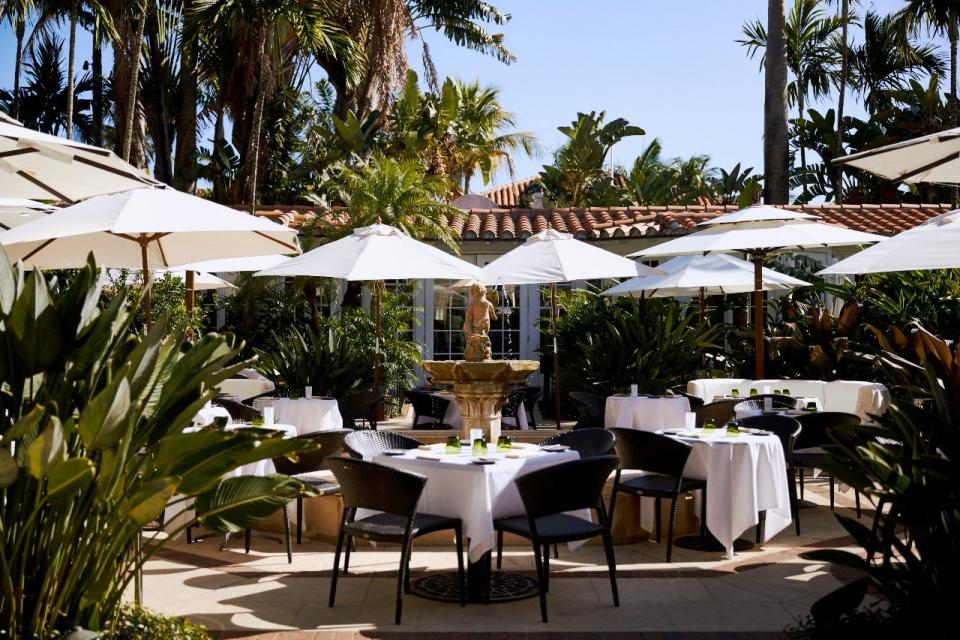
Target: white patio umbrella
{"x": 229, "y": 265}
{"x": 15, "y": 212}
{"x": 931, "y": 158}
{"x": 935, "y": 244}
{"x": 202, "y": 281}
{"x": 44, "y": 167}
{"x": 701, "y": 276}
{"x": 145, "y": 229}
{"x": 378, "y": 252}
{"x": 549, "y": 257}
{"x": 760, "y": 231}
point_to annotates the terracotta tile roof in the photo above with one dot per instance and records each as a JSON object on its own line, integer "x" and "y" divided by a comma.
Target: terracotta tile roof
{"x": 633, "y": 222}
{"x": 508, "y": 195}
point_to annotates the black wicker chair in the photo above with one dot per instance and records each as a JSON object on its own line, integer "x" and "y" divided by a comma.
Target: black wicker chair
{"x": 757, "y": 403}
{"x": 428, "y": 405}
{"x": 663, "y": 458}
{"x": 238, "y": 410}
{"x": 809, "y": 452}
{"x": 695, "y": 401}
{"x": 511, "y": 408}
{"x": 787, "y": 429}
{"x": 365, "y": 445}
{"x": 721, "y": 412}
{"x": 590, "y": 410}
{"x": 394, "y": 495}
{"x": 548, "y": 495}
{"x": 531, "y": 397}
{"x": 360, "y": 406}
{"x": 311, "y": 469}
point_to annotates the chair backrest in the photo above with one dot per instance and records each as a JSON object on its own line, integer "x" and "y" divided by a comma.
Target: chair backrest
{"x": 512, "y": 404}
{"x": 327, "y": 443}
{"x": 817, "y": 427}
{"x": 367, "y": 444}
{"x": 722, "y": 412}
{"x": 531, "y": 395}
{"x": 785, "y": 427}
{"x": 591, "y": 409}
{"x": 428, "y": 405}
{"x": 359, "y": 406}
{"x": 757, "y": 403}
{"x": 367, "y": 485}
{"x": 589, "y": 443}
{"x": 238, "y": 410}
{"x": 695, "y": 401}
{"x": 568, "y": 486}
{"x": 647, "y": 451}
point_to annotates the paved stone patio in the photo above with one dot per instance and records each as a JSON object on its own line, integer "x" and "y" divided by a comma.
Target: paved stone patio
{"x": 757, "y": 593}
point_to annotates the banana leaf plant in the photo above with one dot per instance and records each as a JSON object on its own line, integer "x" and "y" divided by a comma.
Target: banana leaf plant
{"x": 813, "y": 343}
{"x": 908, "y": 466}
{"x": 92, "y": 448}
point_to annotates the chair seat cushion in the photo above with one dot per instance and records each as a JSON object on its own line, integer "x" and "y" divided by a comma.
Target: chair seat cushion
{"x": 654, "y": 484}
{"x": 322, "y": 481}
{"x": 387, "y": 526}
{"x": 559, "y": 527}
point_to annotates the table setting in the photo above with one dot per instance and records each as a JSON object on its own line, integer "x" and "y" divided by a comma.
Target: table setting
{"x": 474, "y": 481}
{"x": 308, "y": 414}
{"x": 644, "y": 412}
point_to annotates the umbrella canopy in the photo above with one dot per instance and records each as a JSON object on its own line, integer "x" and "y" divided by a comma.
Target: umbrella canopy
{"x": 932, "y": 158}
{"x": 377, "y": 252}
{"x": 235, "y": 265}
{"x": 760, "y": 231}
{"x": 550, "y": 257}
{"x": 163, "y": 227}
{"x": 716, "y": 274}
{"x": 44, "y": 167}
{"x": 202, "y": 281}
{"x": 19, "y": 211}
{"x": 935, "y": 244}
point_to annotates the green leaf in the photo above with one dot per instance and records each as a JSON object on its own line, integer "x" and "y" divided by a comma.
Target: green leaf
{"x": 149, "y": 501}
{"x": 841, "y": 601}
{"x": 238, "y": 503}
{"x": 34, "y": 326}
{"x": 69, "y": 477}
{"x": 46, "y": 450}
{"x": 25, "y": 424}
{"x": 8, "y": 283}
{"x": 103, "y": 420}
{"x": 9, "y": 469}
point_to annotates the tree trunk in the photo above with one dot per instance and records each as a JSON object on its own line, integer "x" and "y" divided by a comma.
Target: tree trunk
{"x": 134, "y": 80}
{"x": 185, "y": 156}
{"x": 21, "y": 26}
{"x": 775, "y": 135}
{"x": 162, "y": 123}
{"x": 253, "y": 145}
{"x": 97, "y": 99}
{"x": 844, "y": 65}
{"x": 71, "y": 61}
{"x": 952, "y": 33}
{"x": 802, "y": 121}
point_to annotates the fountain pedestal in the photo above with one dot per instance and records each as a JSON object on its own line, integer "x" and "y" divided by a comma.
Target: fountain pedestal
{"x": 480, "y": 388}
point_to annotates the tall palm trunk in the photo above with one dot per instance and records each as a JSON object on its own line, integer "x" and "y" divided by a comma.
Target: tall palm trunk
{"x": 21, "y": 27}
{"x": 775, "y": 136}
{"x": 253, "y": 143}
{"x": 97, "y": 100}
{"x": 71, "y": 61}
{"x": 952, "y": 35}
{"x": 185, "y": 155}
{"x": 801, "y": 105}
{"x": 134, "y": 81}
{"x": 844, "y": 66}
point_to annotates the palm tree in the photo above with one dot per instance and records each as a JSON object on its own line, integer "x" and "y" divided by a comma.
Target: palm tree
{"x": 134, "y": 79}
{"x": 941, "y": 17}
{"x": 266, "y": 24}
{"x": 776, "y": 187}
{"x": 398, "y": 193}
{"x": 16, "y": 13}
{"x": 841, "y": 81}
{"x": 887, "y": 60}
{"x": 811, "y": 53}
{"x": 481, "y": 142}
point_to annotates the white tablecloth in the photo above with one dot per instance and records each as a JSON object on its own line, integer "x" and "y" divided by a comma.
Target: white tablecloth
{"x": 745, "y": 475}
{"x": 206, "y": 415}
{"x": 454, "y": 415}
{"x": 306, "y": 414}
{"x": 801, "y": 403}
{"x": 645, "y": 414}
{"x": 477, "y": 494}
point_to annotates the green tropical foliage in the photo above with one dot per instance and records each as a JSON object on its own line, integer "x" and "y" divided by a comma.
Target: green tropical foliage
{"x": 92, "y": 448}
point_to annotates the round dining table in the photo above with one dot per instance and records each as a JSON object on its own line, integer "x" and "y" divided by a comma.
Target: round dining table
{"x": 308, "y": 415}
{"x": 646, "y": 413}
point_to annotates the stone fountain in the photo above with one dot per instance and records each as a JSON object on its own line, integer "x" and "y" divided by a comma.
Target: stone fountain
{"x": 480, "y": 383}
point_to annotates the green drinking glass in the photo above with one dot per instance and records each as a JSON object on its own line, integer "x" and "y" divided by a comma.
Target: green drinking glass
{"x": 732, "y": 429}
{"x": 479, "y": 447}
{"x": 709, "y": 425}
{"x": 504, "y": 442}
{"x": 811, "y": 407}
{"x": 735, "y": 393}
{"x": 220, "y": 422}
{"x": 753, "y": 392}
{"x": 453, "y": 444}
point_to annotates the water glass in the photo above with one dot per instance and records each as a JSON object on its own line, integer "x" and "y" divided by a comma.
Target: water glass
{"x": 268, "y": 414}
{"x": 690, "y": 420}
{"x": 476, "y": 434}
{"x": 479, "y": 447}
{"x": 709, "y": 425}
{"x": 504, "y": 442}
{"x": 634, "y": 390}
{"x": 812, "y": 407}
{"x": 308, "y": 392}
{"x": 453, "y": 444}
{"x": 786, "y": 392}
{"x": 753, "y": 391}
{"x": 735, "y": 393}
{"x": 733, "y": 429}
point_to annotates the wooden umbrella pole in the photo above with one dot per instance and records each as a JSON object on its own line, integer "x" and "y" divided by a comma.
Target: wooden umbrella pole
{"x": 758, "y": 312}
{"x": 703, "y": 305}
{"x": 556, "y": 356}
{"x": 146, "y": 282}
{"x": 376, "y": 333}
{"x": 191, "y": 294}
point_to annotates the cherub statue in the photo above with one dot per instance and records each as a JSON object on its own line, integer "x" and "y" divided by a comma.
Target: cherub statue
{"x": 476, "y": 325}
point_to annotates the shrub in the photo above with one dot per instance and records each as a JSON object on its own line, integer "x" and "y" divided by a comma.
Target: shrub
{"x": 137, "y": 623}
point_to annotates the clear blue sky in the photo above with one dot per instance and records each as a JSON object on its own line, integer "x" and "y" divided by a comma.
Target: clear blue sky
{"x": 673, "y": 68}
